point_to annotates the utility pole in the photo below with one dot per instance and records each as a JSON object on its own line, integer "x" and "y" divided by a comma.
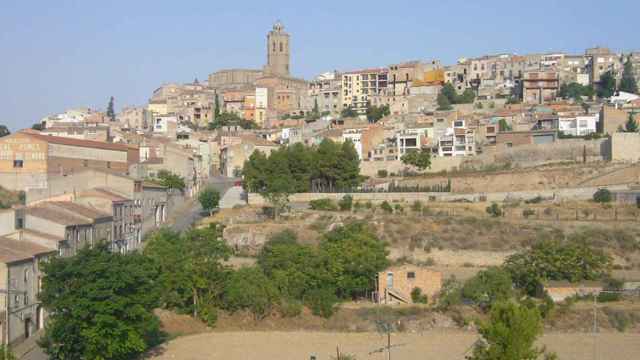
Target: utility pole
{"x": 595, "y": 317}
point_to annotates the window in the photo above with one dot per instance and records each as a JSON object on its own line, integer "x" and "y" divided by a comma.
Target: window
{"x": 26, "y": 275}
{"x": 108, "y": 164}
{"x": 411, "y": 275}
{"x": 281, "y": 47}
{"x": 18, "y": 163}
{"x": 85, "y": 163}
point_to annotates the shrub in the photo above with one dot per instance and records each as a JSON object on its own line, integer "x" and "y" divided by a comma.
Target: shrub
{"x": 528, "y": 213}
{"x": 495, "y": 210}
{"x": 322, "y": 301}
{"x": 357, "y": 206}
{"x": 602, "y": 196}
{"x": 346, "y": 203}
{"x": 382, "y": 173}
{"x": 488, "y": 286}
{"x": 536, "y": 200}
{"x": 386, "y": 207}
{"x": 416, "y": 206}
{"x": 249, "y": 289}
{"x": 208, "y": 313}
{"x": 290, "y": 308}
{"x": 323, "y": 204}
{"x": 368, "y": 205}
{"x": 417, "y": 297}
{"x": 398, "y": 208}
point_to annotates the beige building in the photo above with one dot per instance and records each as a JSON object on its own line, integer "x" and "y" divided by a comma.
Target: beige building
{"x": 394, "y": 285}
{"x": 233, "y": 157}
{"x": 625, "y": 146}
{"x": 540, "y": 86}
{"x": 358, "y": 86}
{"x": 20, "y": 278}
{"x": 28, "y": 158}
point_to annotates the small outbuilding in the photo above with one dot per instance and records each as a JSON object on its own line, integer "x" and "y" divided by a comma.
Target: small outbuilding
{"x": 561, "y": 290}
{"x": 395, "y": 284}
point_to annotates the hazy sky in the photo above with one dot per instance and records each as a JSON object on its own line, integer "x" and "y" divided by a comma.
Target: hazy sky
{"x": 60, "y": 54}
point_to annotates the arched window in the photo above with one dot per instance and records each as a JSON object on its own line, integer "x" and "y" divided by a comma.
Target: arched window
{"x": 281, "y": 47}
{"x": 274, "y": 46}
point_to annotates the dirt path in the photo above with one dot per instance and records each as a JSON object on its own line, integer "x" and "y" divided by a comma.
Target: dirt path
{"x": 432, "y": 345}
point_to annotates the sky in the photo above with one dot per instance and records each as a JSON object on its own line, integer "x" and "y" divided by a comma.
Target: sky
{"x": 60, "y": 54}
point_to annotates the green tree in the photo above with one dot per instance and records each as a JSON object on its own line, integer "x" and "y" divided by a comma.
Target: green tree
{"x": 494, "y": 210}
{"x": 417, "y": 297}
{"x": 354, "y": 255}
{"x": 4, "y": 131}
{"x": 375, "y": 113}
{"x": 602, "y": 196}
{"x": 420, "y": 159}
{"x": 510, "y": 334}
{"x": 249, "y": 289}
{"x": 551, "y": 259}
{"x": 209, "y": 199}
{"x": 171, "y": 180}
{"x": 216, "y": 106}
{"x": 443, "y": 102}
{"x": 100, "y": 305}
{"x": 631, "y": 126}
{"x": 230, "y": 119}
{"x": 346, "y": 203}
{"x": 111, "y": 112}
{"x": 348, "y": 112}
{"x": 37, "y": 126}
{"x": 488, "y": 287}
{"x": 607, "y": 85}
{"x": 450, "y": 93}
{"x": 628, "y": 82}
{"x": 348, "y": 167}
{"x": 190, "y": 267}
{"x": 467, "y": 97}
{"x": 503, "y": 125}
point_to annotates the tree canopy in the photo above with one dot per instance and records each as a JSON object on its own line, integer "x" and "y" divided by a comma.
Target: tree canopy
{"x": 190, "y": 267}
{"x": 421, "y": 159}
{"x": 111, "y": 112}
{"x": 628, "y": 82}
{"x": 209, "y": 199}
{"x": 467, "y": 97}
{"x": 510, "y": 334}
{"x": 297, "y": 168}
{"x": 170, "y": 180}
{"x": 348, "y": 112}
{"x": 443, "y": 102}
{"x": 4, "y": 131}
{"x": 553, "y": 259}
{"x": 375, "y": 113}
{"x": 575, "y": 91}
{"x": 100, "y": 305}
{"x": 631, "y": 125}
{"x": 230, "y": 119}
{"x": 607, "y": 85}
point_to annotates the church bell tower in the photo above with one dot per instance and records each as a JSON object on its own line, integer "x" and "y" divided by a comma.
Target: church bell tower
{"x": 278, "y": 55}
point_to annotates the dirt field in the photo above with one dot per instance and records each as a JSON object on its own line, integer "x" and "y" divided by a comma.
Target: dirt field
{"x": 433, "y": 345}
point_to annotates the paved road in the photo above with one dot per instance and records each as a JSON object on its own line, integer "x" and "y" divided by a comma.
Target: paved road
{"x": 191, "y": 211}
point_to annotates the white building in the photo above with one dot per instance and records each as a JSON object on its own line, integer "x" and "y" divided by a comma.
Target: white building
{"x": 355, "y": 135}
{"x": 457, "y": 141}
{"x": 164, "y": 124}
{"x": 408, "y": 140}
{"x": 578, "y": 125}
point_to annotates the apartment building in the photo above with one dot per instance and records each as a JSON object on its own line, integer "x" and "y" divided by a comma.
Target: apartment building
{"x": 540, "y": 86}
{"x": 457, "y": 141}
{"x": 326, "y": 90}
{"x": 358, "y": 86}
{"x": 602, "y": 60}
{"x": 581, "y": 125}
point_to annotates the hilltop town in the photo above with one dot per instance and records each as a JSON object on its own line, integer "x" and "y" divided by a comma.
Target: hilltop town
{"x": 425, "y": 175}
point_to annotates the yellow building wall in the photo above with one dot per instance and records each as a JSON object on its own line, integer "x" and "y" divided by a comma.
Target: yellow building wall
{"x": 19, "y": 146}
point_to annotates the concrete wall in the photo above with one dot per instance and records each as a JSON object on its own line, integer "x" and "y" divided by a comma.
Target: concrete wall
{"x": 585, "y": 193}
{"x": 438, "y": 164}
{"x": 539, "y": 154}
{"x": 625, "y": 147}
{"x": 7, "y": 222}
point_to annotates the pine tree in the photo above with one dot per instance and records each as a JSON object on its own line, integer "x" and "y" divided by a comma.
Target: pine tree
{"x": 216, "y": 109}
{"x": 628, "y": 82}
{"x": 631, "y": 126}
{"x": 607, "y": 85}
{"x": 111, "y": 113}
